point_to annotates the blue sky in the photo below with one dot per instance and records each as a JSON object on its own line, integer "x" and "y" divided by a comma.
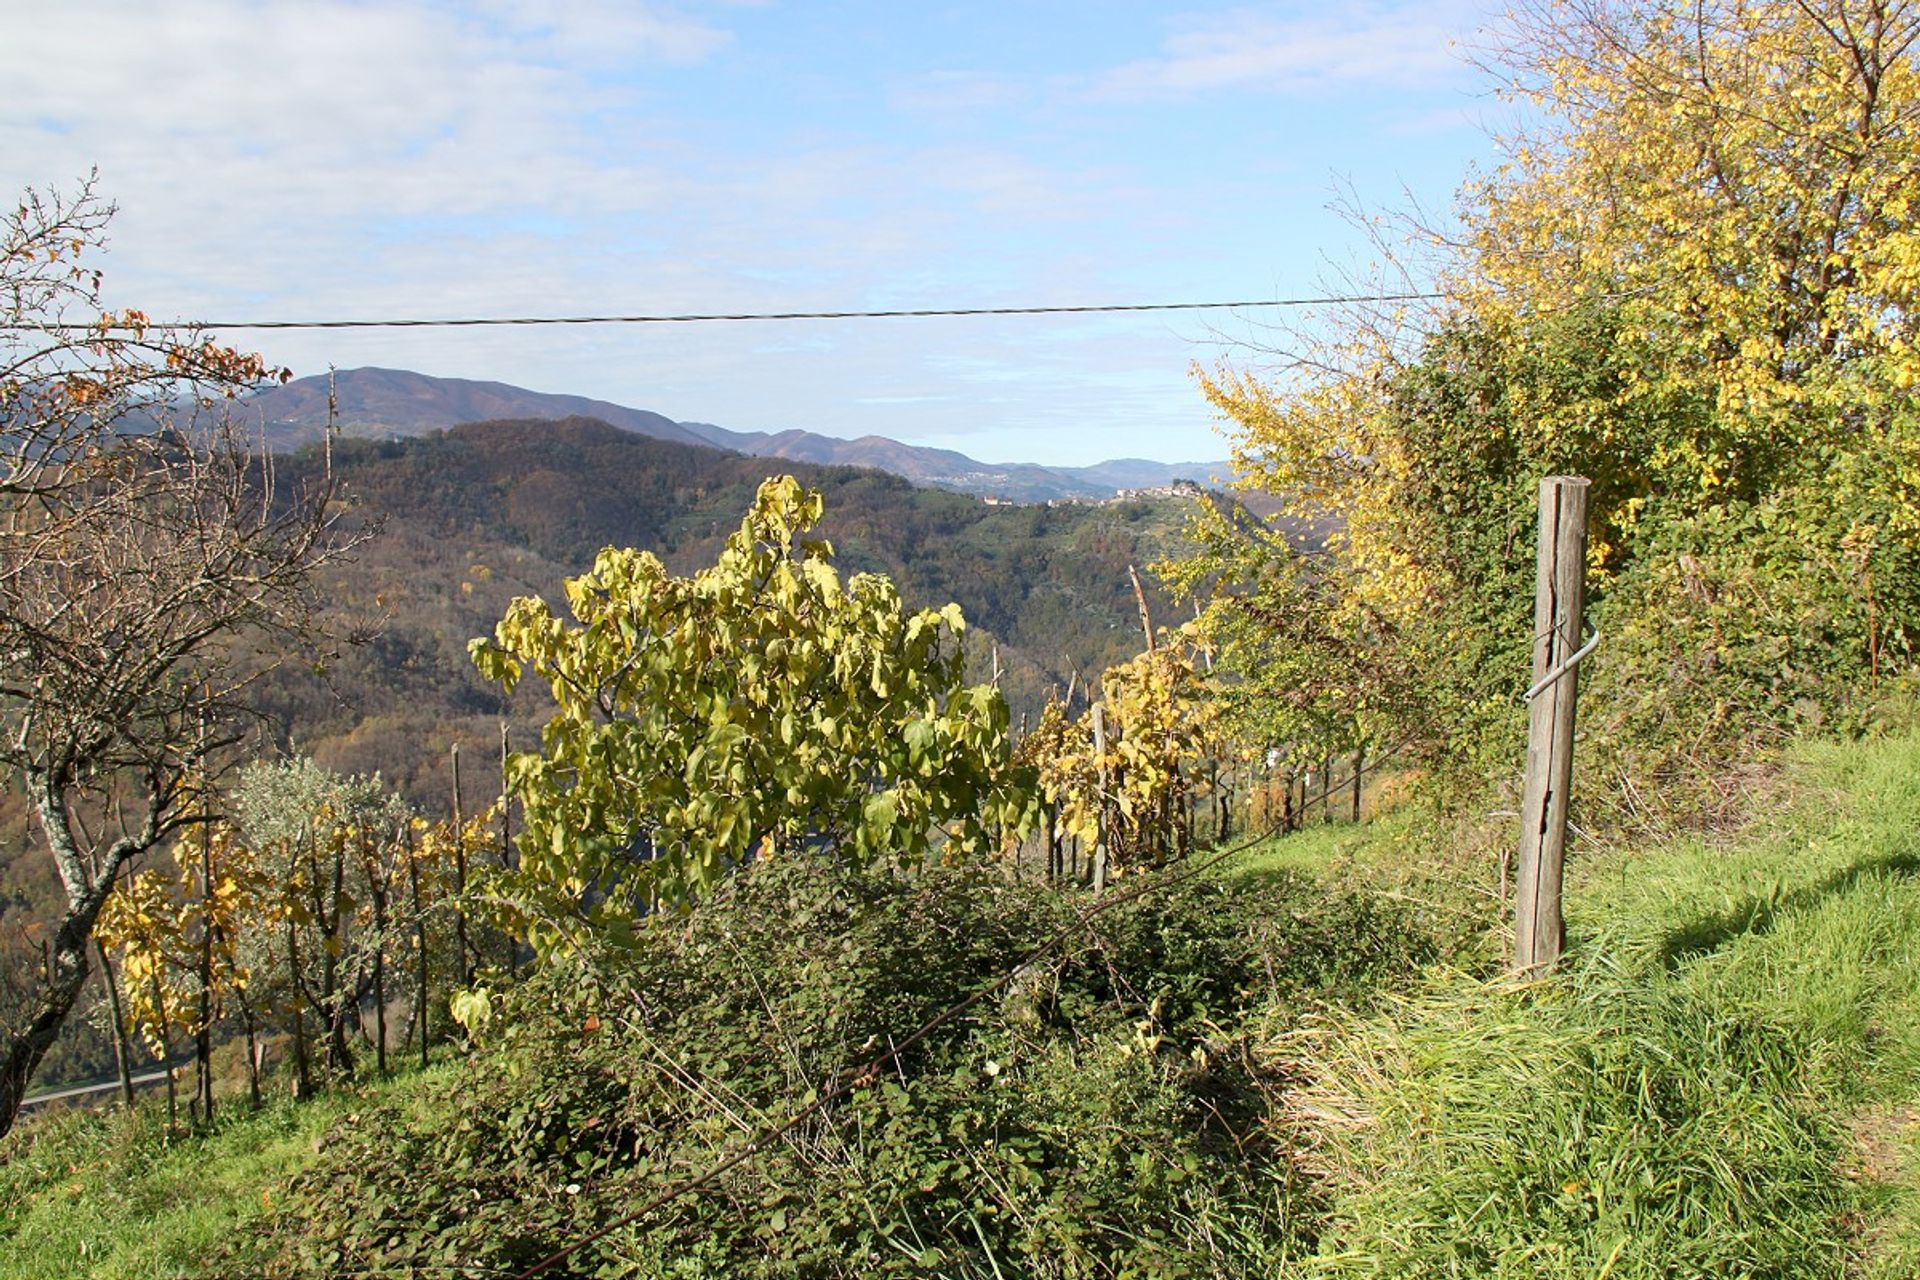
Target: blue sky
{"x": 275, "y": 159}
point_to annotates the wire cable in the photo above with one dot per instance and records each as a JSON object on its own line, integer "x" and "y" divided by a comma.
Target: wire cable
{"x": 917, "y": 313}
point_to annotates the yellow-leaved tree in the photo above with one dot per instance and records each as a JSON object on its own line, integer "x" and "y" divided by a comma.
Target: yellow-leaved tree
{"x": 1692, "y": 278}
{"x": 1131, "y": 788}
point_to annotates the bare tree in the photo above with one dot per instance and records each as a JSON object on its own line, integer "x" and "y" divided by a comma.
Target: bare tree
{"x": 144, "y": 555}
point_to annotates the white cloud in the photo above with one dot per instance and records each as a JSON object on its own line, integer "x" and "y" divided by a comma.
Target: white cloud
{"x": 322, "y": 101}
{"x": 1260, "y": 50}
{"x": 315, "y": 156}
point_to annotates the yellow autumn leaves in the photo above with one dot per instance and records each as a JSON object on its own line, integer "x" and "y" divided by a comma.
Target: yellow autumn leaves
{"x": 1693, "y": 277}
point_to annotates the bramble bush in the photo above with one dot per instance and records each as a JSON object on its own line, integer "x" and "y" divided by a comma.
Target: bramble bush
{"x": 1102, "y": 1114}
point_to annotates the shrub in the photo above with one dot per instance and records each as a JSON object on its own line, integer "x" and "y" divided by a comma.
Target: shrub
{"x": 1100, "y": 1115}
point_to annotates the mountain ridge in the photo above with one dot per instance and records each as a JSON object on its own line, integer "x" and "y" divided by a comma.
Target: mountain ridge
{"x": 376, "y": 402}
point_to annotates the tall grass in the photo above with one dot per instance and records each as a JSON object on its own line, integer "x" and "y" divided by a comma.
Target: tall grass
{"x": 112, "y": 1195}
{"x": 1719, "y": 1084}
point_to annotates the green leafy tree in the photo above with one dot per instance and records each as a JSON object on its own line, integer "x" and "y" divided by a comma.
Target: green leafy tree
{"x": 757, "y": 708}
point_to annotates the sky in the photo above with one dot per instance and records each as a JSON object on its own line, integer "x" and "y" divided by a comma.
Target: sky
{"x": 327, "y": 159}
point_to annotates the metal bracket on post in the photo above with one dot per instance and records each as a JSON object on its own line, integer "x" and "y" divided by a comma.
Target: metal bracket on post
{"x": 1552, "y": 677}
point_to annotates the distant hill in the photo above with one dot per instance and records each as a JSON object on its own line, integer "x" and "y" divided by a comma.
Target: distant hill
{"x": 388, "y": 403}
{"x": 395, "y": 403}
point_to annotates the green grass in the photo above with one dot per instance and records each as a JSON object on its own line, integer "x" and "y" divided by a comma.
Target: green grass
{"x": 1722, "y": 1082}
{"x": 109, "y": 1195}
{"x": 1405, "y": 854}
{"x": 1313, "y": 850}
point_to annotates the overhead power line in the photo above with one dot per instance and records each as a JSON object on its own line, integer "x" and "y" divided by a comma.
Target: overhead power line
{"x": 919, "y": 313}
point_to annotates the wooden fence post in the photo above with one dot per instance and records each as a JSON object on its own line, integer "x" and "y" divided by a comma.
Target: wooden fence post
{"x": 1559, "y": 613}
{"x": 506, "y": 835}
{"x": 419, "y": 940}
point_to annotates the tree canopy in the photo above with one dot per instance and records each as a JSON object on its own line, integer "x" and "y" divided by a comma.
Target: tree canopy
{"x": 1692, "y": 278}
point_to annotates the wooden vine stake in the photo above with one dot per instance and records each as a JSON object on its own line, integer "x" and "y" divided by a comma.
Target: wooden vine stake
{"x": 1559, "y": 614}
{"x": 1102, "y": 836}
{"x": 460, "y": 875}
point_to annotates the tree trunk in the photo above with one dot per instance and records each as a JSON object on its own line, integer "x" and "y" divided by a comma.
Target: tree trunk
{"x": 253, "y": 1048}
{"x": 420, "y": 941}
{"x": 166, "y": 1050}
{"x": 67, "y": 973}
{"x": 380, "y": 980}
{"x": 203, "y": 1032}
{"x": 1103, "y": 838}
{"x": 506, "y": 838}
{"x": 303, "y": 1071}
{"x": 67, "y": 967}
{"x": 339, "y": 1052}
{"x": 332, "y": 997}
{"x": 1056, "y": 859}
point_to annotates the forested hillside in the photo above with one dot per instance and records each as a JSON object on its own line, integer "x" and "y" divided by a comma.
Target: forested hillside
{"x": 467, "y": 519}
{"x": 471, "y": 517}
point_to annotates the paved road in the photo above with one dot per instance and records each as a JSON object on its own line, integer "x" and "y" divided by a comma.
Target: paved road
{"x": 151, "y": 1077}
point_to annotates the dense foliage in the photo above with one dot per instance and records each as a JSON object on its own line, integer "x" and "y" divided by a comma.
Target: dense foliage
{"x": 757, "y": 708}
{"x": 1103, "y": 1114}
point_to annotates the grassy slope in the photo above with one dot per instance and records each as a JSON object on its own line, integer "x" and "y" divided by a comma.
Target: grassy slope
{"x": 1725, "y": 1082}
{"x": 105, "y": 1195}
